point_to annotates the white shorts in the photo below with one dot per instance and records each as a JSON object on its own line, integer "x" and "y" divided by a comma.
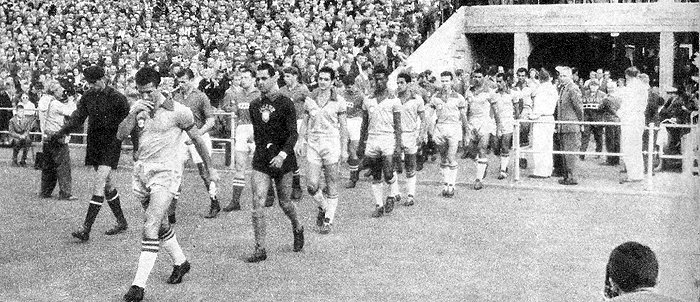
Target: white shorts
{"x": 447, "y": 133}
{"x": 409, "y": 142}
{"x": 149, "y": 177}
{"x": 380, "y": 145}
{"x": 192, "y": 151}
{"x": 354, "y": 128}
{"x": 244, "y": 138}
{"x": 323, "y": 150}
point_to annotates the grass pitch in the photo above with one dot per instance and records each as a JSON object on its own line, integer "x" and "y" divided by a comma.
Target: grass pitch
{"x": 503, "y": 243}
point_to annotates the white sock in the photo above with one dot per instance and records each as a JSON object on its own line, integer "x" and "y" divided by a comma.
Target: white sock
{"x": 378, "y": 192}
{"x": 481, "y": 169}
{"x": 174, "y": 250}
{"x": 445, "y": 177}
{"x": 411, "y": 185}
{"x": 320, "y": 200}
{"x": 149, "y": 253}
{"x": 330, "y": 211}
{"x": 504, "y": 163}
{"x": 453, "y": 176}
{"x": 395, "y": 186}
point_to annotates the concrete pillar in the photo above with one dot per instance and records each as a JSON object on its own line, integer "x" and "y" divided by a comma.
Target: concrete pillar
{"x": 521, "y": 50}
{"x": 467, "y": 54}
{"x": 666, "y": 44}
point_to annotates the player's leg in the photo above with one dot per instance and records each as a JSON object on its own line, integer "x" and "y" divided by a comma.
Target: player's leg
{"x": 374, "y": 163}
{"x": 505, "y": 142}
{"x": 284, "y": 190}
{"x": 443, "y": 148}
{"x": 260, "y": 182}
{"x": 242, "y": 152}
{"x": 113, "y": 200}
{"x": 451, "y": 155}
{"x": 99, "y": 175}
{"x": 159, "y": 201}
{"x": 313, "y": 181}
{"x": 410, "y": 149}
{"x": 353, "y": 164}
{"x": 330, "y": 164}
{"x": 390, "y": 178}
{"x": 482, "y": 163}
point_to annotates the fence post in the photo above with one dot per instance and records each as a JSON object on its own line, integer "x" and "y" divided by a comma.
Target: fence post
{"x": 650, "y": 154}
{"x": 232, "y": 140}
{"x": 516, "y": 147}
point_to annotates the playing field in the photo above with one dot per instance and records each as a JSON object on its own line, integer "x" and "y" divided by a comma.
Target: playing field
{"x": 533, "y": 241}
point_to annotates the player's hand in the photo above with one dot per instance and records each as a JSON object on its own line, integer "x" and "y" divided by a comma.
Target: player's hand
{"x": 141, "y": 105}
{"x": 277, "y": 161}
{"x": 300, "y": 148}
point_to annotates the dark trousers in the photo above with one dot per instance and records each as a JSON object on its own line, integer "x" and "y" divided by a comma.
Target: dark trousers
{"x": 558, "y": 159}
{"x": 570, "y": 141}
{"x": 597, "y": 132}
{"x": 612, "y": 144}
{"x": 20, "y": 144}
{"x": 525, "y": 134}
{"x": 56, "y": 168}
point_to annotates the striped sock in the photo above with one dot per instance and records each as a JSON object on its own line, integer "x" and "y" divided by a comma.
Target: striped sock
{"x": 93, "y": 209}
{"x": 394, "y": 187}
{"x": 411, "y": 185}
{"x": 169, "y": 242}
{"x": 481, "y": 165}
{"x": 238, "y": 186}
{"x": 149, "y": 253}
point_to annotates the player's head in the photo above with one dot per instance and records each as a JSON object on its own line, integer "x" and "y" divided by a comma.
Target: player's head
{"x": 147, "y": 83}
{"x": 266, "y": 77}
{"x": 632, "y": 266}
{"x": 247, "y": 77}
{"x": 95, "y": 77}
{"x": 402, "y": 81}
{"x": 478, "y": 77}
{"x": 446, "y": 78}
{"x": 379, "y": 76}
{"x": 185, "y": 77}
{"x": 291, "y": 75}
{"x": 521, "y": 74}
{"x": 501, "y": 82}
{"x": 326, "y": 76}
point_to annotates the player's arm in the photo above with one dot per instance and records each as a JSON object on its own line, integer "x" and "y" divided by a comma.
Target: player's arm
{"x": 495, "y": 110}
{"x": 423, "y": 130}
{"x": 291, "y": 125}
{"x": 129, "y": 122}
{"x": 516, "y": 106}
{"x": 187, "y": 124}
{"x": 209, "y": 117}
{"x": 364, "y": 131}
{"x": 77, "y": 118}
{"x": 397, "y": 125}
{"x": 343, "y": 121}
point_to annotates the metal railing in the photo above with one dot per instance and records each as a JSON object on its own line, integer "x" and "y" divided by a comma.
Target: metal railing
{"x": 690, "y": 153}
{"x": 231, "y": 140}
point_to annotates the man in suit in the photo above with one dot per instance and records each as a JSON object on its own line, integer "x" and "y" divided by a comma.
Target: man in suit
{"x": 569, "y": 108}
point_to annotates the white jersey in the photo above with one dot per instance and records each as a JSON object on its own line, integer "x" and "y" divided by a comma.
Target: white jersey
{"x": 410, "y": 120}
{"x": 381, "y": 115}
{"x": 506, "y": 110}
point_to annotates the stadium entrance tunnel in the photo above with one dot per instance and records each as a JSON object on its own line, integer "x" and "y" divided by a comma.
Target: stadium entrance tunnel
{"x": 493, "y": 49}
{"x": 590, "y": 51}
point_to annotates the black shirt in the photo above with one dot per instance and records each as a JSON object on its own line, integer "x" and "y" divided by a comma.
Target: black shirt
{"x": 274, "y": 129}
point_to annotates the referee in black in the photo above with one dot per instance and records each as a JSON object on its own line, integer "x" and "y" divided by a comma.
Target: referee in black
{"x": 106, "y": 108}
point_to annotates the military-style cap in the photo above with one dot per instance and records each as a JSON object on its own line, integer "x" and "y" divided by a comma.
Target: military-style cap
{"x": 93, "y": 73}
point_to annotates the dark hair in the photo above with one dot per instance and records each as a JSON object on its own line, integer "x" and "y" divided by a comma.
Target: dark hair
{"x": 271, "y": 71}
{"x": 479, "y": 70}
{"x": 501, "y": 75}
{"x": 147, "y": 75}
{"x": 405, "y": 76}
{"x": 574, "y": 70}
{"x": 632, "y": 266}
{"x": 328, "y": 70}
{"x": 447, "y": 73}
{"x": 185, "y": 72}
{"x": 247, "y": 69}
{"x": 291, "y": 70}
{"x": 632, "y": 72}
{"x": 521, "y": 69}
{"x": 544, "y": 75}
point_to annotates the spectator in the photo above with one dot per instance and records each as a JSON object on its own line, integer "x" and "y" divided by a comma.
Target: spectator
{"x": 633, "y": 99}
{"x": 631, "y": 274}
{"x": 544, "y": 103}
{"x": 19, "y": 128}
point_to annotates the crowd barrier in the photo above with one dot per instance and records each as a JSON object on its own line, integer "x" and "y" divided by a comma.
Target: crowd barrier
{"x": 690, "y": 146}
{"x": 37, "y": 138}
